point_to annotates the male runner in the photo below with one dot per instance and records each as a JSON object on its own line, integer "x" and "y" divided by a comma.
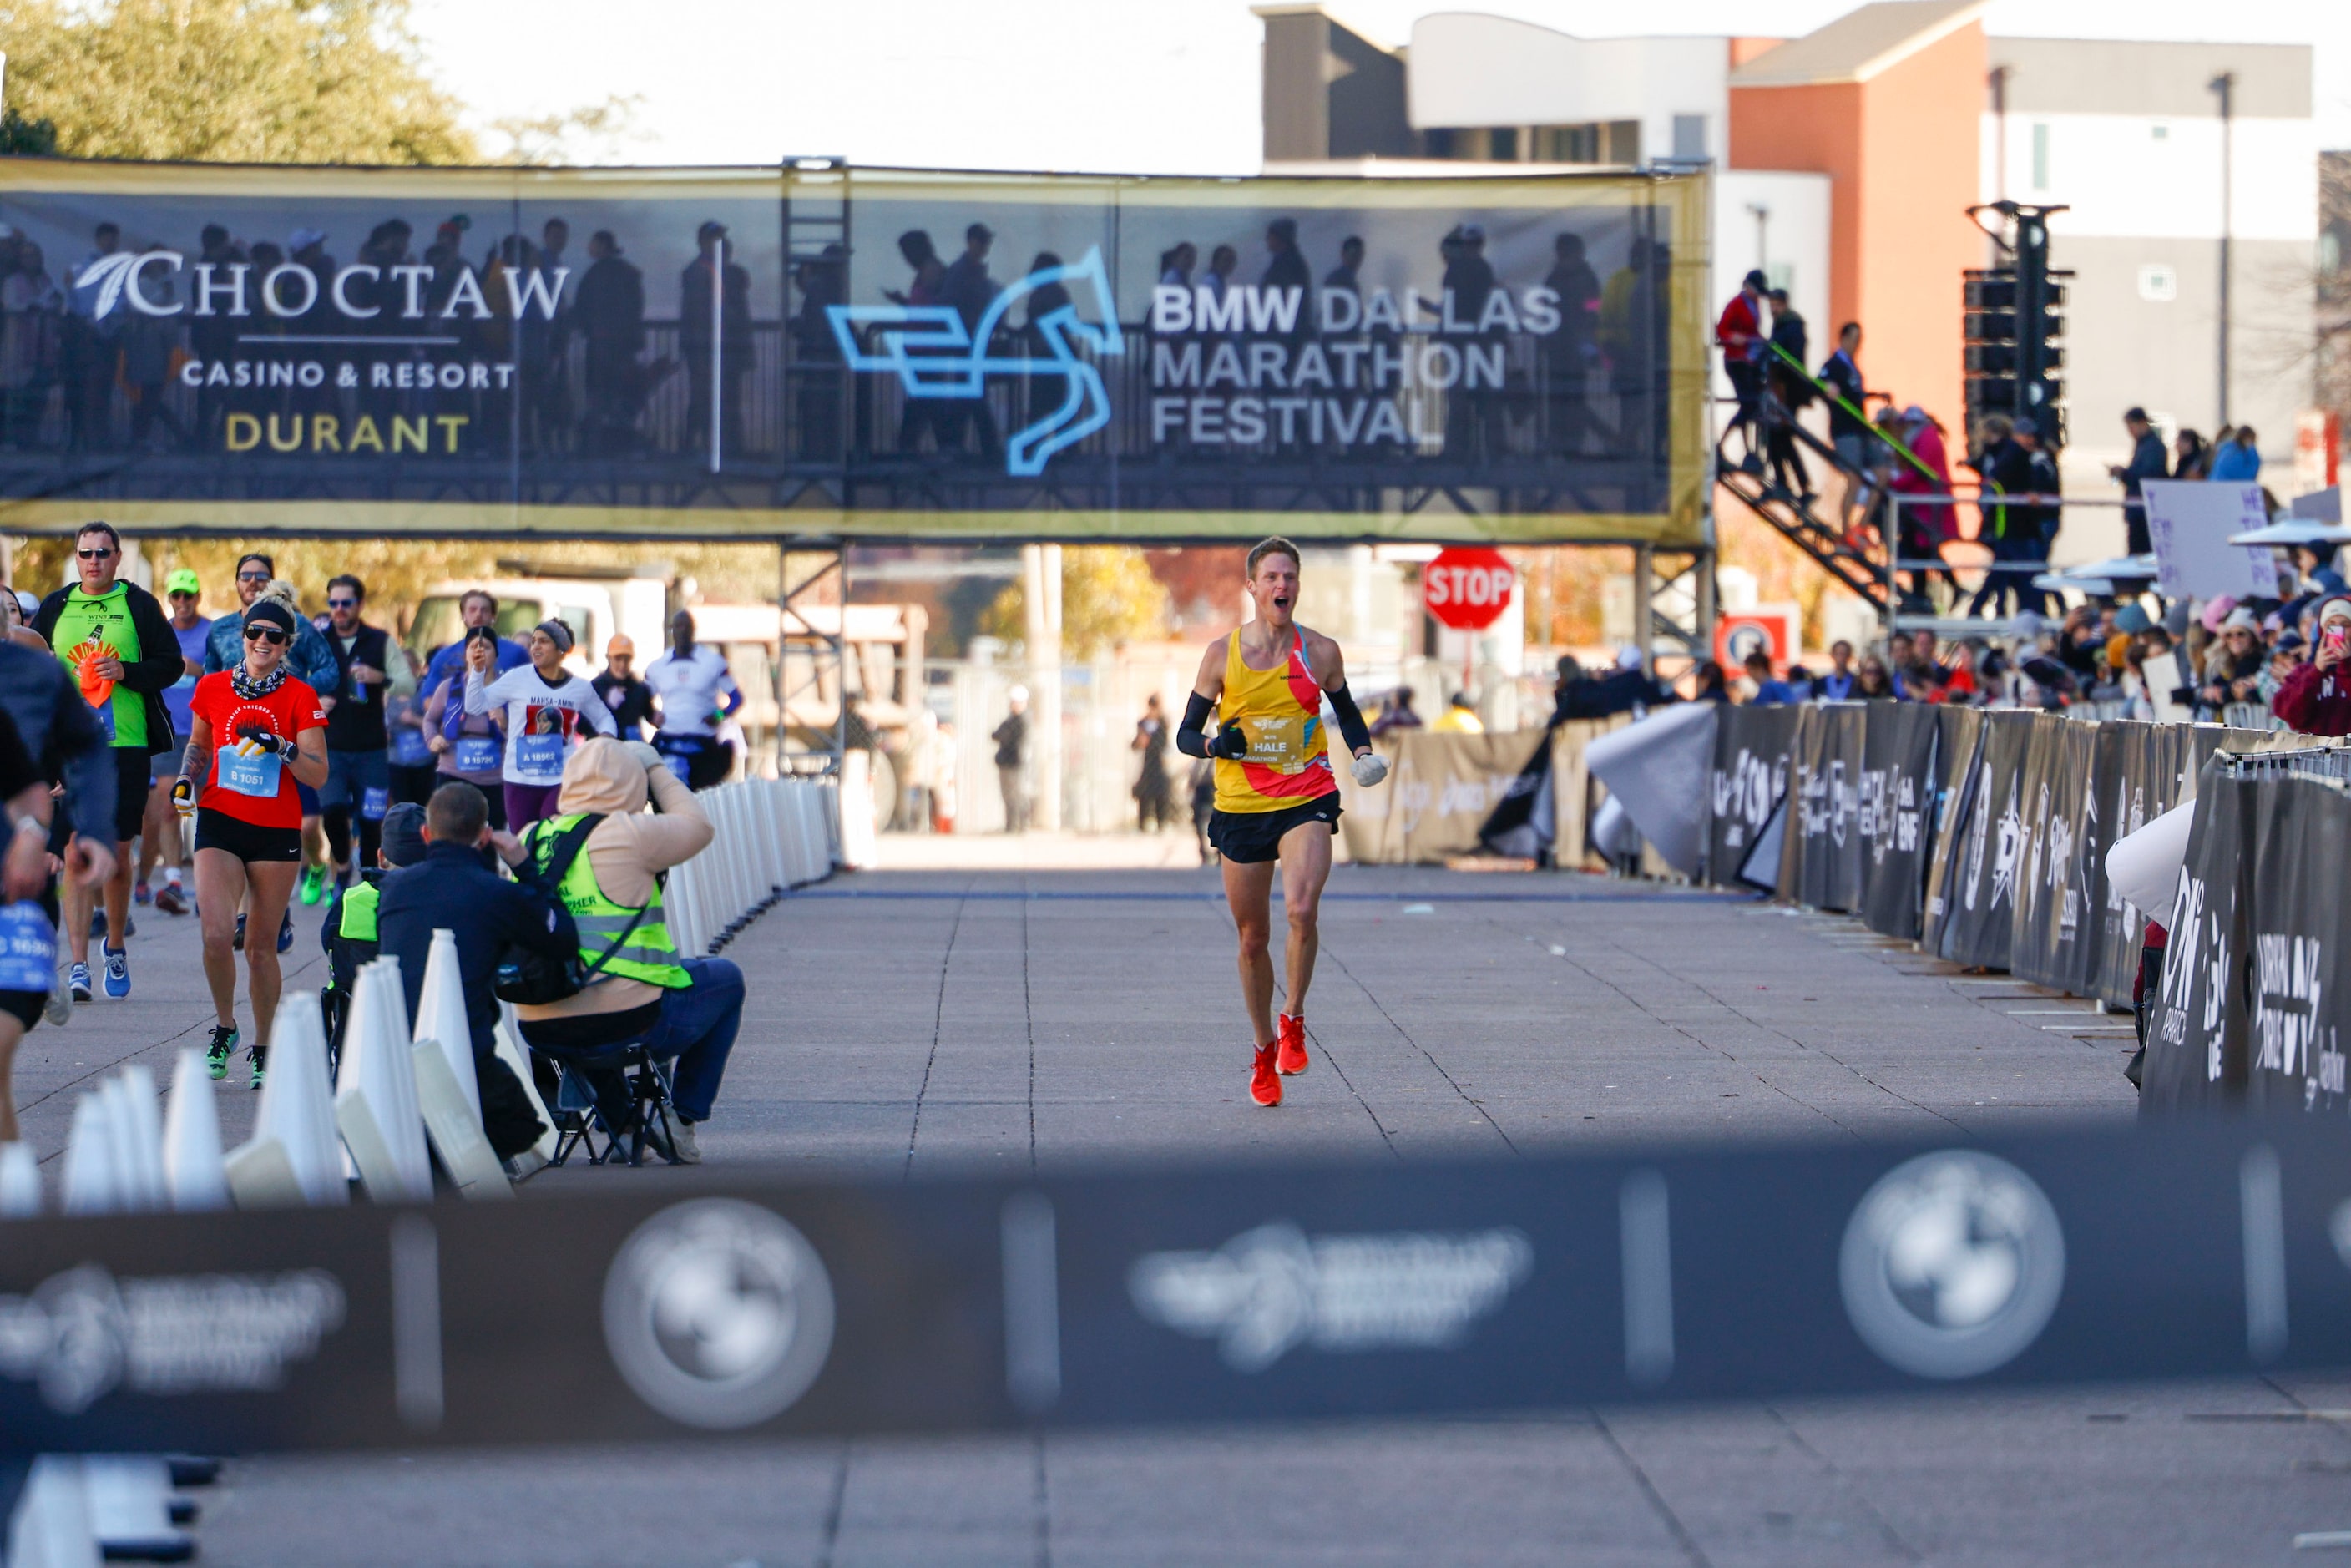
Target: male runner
{"x": 1276, "y": 797}
{"x": 358, "y": 755}
{"x": 695, "y": 692}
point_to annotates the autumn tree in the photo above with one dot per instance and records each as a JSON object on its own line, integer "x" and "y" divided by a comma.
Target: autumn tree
{"x": 1109, "y": 596}
{"x": 245, "y": 82}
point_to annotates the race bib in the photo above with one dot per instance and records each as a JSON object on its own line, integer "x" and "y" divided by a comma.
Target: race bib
{"x": 539, "y": 755}
{"x": 475, "y": 754}
{"x": 253, "y": 776}
{"x": 29, "y": 949}
{"x": 1276, "y": 743}
{"x": 408, "y": 749}
{"x": 374, "y": 801}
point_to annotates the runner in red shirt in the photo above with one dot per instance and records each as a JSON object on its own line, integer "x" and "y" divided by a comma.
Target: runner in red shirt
{"x": 253, "y": 731}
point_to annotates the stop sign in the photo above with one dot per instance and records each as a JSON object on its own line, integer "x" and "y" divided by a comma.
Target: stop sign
{"x": 1467, "y": 590}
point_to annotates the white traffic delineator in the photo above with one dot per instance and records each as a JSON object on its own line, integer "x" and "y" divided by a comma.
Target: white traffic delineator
{"x": 20, "y": 1181}
{"x": 441, "y": 1016}
{"x": 193, "y": 1171}
{"x": 140, "y": 1146}
{"x": 294, "y": 1144}
{"x": 52, "y": 1526}
{"x": 375, "y": 1096}
{"x": 455, "y": 1125}
{"x": 509, "y": 1034}
{"x": 89, "y": 1183}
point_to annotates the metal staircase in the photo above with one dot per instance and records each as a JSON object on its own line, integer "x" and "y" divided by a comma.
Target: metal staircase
{"x": 1793, "y": 518}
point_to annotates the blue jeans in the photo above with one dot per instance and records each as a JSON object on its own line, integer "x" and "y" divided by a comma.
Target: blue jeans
{"x": 697, "y": 1027}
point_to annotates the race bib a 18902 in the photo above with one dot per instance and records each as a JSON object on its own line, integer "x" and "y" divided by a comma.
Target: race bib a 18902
{"x": 28, "y": 948}
{"x": 538, "y": 756}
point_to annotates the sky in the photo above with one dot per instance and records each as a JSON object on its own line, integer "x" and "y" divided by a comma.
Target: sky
{"x": 1115, "y": 86}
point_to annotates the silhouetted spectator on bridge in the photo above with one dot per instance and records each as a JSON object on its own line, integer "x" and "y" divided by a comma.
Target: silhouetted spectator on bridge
{"x": 609, "y": 313}
{"x": 731, "y": 351}
{"x": 821, "y": 383}
{"x": 967, "y": 289}
{"x": 1569, "y": 349}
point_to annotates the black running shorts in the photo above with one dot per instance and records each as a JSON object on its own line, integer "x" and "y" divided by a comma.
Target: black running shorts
{"x": 1251, "y": 838}
{"x": 219, "y": 830}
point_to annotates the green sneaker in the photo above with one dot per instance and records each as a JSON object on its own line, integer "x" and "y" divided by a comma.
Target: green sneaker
{"x": 260, "y": 1055}
{"x": 314, "y": 884}
{"x": 218, "y": 1054}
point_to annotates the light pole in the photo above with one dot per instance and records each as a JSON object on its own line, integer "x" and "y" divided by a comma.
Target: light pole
{"x": 2225, "y": 85}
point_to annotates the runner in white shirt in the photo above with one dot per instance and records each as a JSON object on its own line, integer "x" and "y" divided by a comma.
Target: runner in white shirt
{"x": 695, "y": 692}
{"x": 549, "y": 712}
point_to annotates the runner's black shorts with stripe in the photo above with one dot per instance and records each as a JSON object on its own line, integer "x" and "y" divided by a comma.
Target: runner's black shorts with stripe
{"x": 249, "y": 842}
{"x": 1251, "y": 838}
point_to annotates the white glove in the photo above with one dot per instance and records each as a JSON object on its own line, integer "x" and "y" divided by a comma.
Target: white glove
{"x": 1370, "y": 769}
{"x": 642, "y": 750}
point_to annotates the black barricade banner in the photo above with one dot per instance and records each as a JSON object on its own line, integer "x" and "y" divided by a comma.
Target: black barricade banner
{"x": 1752, "y": 747}
{"x": 1897, "y": 814}
{"x": 2054, "y": 939}
{"x": 1821, "y": 864}
{"x": 1958, "y": 762}
{"x": 2196, "y": 1029}
{"x": 762, "y": 1305}
{"x": 1984, "y": 912}
{"x": 2134, "y": 783}
{"x": 2294, "y": 1051}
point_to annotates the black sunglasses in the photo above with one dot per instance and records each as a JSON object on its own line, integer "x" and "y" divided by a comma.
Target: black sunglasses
{"x": 267, "y": 634}
{"x": 342, "y": 603}
{"x": 253, "y": 577}
{"x": 100, "y": 553}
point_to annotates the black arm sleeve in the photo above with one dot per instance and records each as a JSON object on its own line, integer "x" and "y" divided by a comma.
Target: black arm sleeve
{"x": 1190, "y": 738}
{"x": 1352, "y": 728}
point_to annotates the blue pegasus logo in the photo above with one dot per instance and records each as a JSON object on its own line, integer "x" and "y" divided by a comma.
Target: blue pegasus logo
{"x": 927, "y": 348}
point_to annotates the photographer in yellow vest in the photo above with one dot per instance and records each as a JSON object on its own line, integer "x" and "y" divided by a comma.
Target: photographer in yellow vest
{"x": 642, "y": 988}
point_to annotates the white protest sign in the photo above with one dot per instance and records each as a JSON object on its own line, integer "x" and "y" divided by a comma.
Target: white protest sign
{"x": 2190, "y": 521}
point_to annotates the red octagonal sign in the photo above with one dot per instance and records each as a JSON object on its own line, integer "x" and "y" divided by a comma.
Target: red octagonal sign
{"x": 1468, "y": 588}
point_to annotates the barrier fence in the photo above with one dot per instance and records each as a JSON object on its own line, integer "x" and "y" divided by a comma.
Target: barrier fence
{"x": 757, "y": 1305}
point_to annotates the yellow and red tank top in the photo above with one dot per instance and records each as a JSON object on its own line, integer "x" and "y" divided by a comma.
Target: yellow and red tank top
{"x": 1281, "y": 711}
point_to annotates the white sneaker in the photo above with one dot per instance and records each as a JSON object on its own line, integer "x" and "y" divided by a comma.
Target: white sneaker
{"x": 58, "y": 1008}
{"x": 682, "y": 1138}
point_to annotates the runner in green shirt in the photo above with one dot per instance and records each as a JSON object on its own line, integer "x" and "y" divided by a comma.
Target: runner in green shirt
{"x": 116, "y": 644}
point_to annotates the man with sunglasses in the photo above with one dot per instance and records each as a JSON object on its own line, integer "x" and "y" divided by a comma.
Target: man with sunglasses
{"x": 309, "y": 661}
{"x": 115, "y": 641}
{"x": 370, "y": 673}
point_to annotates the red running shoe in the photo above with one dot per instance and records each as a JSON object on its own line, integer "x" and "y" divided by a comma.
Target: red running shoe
{"x": 1265, "y": 1086}
{"x": 1291, "y": 1058}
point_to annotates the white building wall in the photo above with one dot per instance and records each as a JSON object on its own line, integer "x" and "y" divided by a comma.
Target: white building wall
{"x": 1470, "y": 70}
{"x": 2127, "y": 176}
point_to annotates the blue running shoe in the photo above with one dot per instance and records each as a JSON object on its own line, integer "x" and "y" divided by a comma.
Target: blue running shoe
{"x": 98, "y": 925}
{"x": 78, "y": 982}
{"x": 118, "y": 972}
{"x": 286, "y": 931}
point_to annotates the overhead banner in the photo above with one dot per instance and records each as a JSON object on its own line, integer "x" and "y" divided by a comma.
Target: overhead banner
{"x": 881, "y": 353}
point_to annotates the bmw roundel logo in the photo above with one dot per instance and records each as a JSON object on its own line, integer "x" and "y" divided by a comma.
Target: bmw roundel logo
{"x": 719, "y": 1313}
{"x": 1952, "y": 1264}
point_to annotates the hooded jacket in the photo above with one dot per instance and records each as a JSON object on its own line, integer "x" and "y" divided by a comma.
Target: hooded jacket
{"x": 625, "y": 851}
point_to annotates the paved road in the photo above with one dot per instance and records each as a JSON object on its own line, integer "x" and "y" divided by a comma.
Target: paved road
{"x": 917, "y": 1021}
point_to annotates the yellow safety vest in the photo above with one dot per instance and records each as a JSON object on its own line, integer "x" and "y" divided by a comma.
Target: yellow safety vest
{"x": 646, "y": 954}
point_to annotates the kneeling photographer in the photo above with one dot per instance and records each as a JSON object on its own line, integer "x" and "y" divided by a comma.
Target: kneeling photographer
{"x": 602, "y": 855}
{"x": 455, "y": 888}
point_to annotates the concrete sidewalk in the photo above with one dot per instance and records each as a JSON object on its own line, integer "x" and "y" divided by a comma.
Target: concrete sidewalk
{"x": 906, "y": 1022}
